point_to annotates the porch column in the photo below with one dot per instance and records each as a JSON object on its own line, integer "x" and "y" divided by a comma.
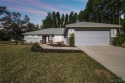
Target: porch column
{"x": 47, "y": 39}
{"x": 50, "y": 38}
{"x": 41, "y": 41}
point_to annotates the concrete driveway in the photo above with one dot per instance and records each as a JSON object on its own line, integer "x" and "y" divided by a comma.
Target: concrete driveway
{"x": 113, "y": 58}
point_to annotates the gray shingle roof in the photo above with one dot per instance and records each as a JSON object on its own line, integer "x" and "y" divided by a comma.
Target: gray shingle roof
{"x": 56, "y": 31}
{"x": 92, "y": 24}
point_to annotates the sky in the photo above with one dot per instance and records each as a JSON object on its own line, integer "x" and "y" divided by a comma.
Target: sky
{"x": 37, "y": 9}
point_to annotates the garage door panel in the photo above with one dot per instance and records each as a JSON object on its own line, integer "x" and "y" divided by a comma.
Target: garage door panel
{"x": 91, "y": 38}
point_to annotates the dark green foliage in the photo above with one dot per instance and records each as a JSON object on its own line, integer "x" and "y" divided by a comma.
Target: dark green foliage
{"x": 4, "y": 36}
{"x": 104, "y": 11}
{"x": 66, "y": 19}
{"x": 119, "y": 40}
{"x": 13, "y": 23}
{"x": 62, "y": 21}
{"x": 36, "y": 48}
{"x": 100, "y": 11}
{"x": 71, "y": 39}
{"x": 123, "y": 25}
{"x": 81, "y": 16}
{"x": 56, "y": 20}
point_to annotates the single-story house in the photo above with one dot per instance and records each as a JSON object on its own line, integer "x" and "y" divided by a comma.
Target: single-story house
{"x": 86, "y": 33}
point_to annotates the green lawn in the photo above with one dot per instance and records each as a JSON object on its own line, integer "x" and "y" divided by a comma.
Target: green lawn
{"x": 10, "y": 42}
{"x": 19, "y": 65}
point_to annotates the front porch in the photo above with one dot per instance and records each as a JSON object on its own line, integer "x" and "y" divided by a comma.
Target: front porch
{"x": 47, "y": 39}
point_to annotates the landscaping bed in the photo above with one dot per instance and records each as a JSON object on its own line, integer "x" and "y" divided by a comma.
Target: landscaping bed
{"x": 56, "y": 45}
{"x": 37, "y": 48}
{"x": 60, "y": 51}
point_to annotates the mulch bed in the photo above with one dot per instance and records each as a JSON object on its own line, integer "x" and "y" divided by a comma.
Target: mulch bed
{"x": 37, "y": 48}
{"x": 61, "y": 51}
{"x": 56, "y": 45}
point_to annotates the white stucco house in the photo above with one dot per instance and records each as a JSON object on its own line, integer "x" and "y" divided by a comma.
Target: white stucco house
{"x": 86, "y": 33}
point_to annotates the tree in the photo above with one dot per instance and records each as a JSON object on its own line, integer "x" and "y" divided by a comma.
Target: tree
{"x": 4, "y": 36}
{"x": 58, "y": 20}
{"x": 3, "y": 9}
{"x": 123, "y": 13}
{"x": 54, "y": 19}
{"x": 31, "y": 27}
{"x": 66, "y": 19}
{"x": 5, "y": 18}
{"x": 75, "y": 18}
{"x": 71, "y": 40}
{"x": 62, "y": 21}
{"x": 16, "y": 25}
{"x": 26, "y": 20}
{"x": 13, "y": 24}
{"x": 81, "y": 16}
{"x": 71, "y": 19}
{"x": 48, "y": 21}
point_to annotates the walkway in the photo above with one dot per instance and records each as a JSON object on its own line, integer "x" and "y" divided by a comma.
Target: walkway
{"x": 45, "y": 46}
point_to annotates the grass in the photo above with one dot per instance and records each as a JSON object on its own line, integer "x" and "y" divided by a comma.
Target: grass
{"x": 10, "y": 42}
{"x": 19, "y": 65}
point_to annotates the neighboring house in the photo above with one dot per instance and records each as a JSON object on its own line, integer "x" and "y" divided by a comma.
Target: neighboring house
{"x": 86, "y": 33}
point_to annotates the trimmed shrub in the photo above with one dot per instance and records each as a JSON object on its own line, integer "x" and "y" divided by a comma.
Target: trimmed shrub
{"x": 71, "y": 39}
{"x": 60, "y": 43}
{"x": 119, "y": 40}
{"x": 36, "y": 48}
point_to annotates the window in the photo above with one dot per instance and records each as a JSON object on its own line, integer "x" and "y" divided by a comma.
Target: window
{"x": 35, "y": 36}
{"x": 58, "y": 38}
{"x": 113, "y": 32}
{"x": 30, "y": 36}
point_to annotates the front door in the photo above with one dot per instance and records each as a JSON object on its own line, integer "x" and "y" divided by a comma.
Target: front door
{"x": 47, "y": 40}
{"x": 44, "y": 40}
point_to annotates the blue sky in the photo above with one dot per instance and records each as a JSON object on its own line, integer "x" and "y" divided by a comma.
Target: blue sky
{"x": 37, "y": 9}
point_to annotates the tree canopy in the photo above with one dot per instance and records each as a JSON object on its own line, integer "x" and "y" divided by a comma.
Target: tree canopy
{"x": 14, "y": 24}
{"x": 100, "y": 11}
{"x": 57, "y": 20}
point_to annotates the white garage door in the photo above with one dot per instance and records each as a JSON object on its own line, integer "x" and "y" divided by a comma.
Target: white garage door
{"x": 91, "y": 38}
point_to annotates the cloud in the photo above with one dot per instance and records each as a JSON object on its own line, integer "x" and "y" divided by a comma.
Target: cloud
{"x": 37, "y": 4}
{"x": 42, "y": 4}
{"x": 39, "y": 8}
{"x": 69, "y": 8}
{"x": 29, "y": 10}
{"x": 84, "y": 1}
